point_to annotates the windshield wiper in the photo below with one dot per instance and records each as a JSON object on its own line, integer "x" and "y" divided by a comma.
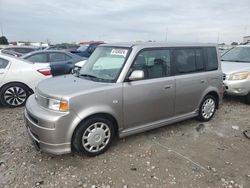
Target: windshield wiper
{"x": 94, "y": 77}
{"x": 88, "y": 75}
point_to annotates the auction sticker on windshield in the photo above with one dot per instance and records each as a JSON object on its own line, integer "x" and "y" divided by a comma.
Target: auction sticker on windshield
{"x": 120, "y": 52}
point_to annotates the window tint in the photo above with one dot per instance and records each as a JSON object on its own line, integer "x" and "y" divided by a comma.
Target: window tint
{"x": 55, "y": 57}
{"x": 212, "y": 61}
{"x": 3, "y": 63}
{"x": 199, "y": 60}
{"x": 189, "y": 60}
{"x": 39, "y": 58}
{"x": 22, "y": 50}
{"x": 154, "y": 63}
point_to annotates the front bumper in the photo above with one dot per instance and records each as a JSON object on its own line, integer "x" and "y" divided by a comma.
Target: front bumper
{"x": 48, "y": 129}
{"x": 237, "y": 87}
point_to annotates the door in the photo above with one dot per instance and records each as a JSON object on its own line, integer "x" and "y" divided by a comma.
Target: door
{"x": 151, "y": 99}
{"x": 60, "y": 63}
{"x": 191, "y": 79}
{"x": 4, "y": 64}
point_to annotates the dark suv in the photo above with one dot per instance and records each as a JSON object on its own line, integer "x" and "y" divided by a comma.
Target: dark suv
{"x": 87, "y": 48}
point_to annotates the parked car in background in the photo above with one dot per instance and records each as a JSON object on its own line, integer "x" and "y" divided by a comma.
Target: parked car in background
{"x": 18, "y": 79}
{"x": 21, "y": 49}
{"x": 65, "y": 46}
{"x": 124, "y": 89}
{"x": 78, "y": 66}
{"x": 236, "y": 69}
{"x": 61, "y": 62}
{"x": 86, "y": 48}
{"x": 10, "y": 52}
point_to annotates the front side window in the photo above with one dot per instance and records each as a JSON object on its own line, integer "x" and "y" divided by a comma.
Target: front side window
{"x": 3, "y": 63}
{"x": 238, "y": 54}
{"x": 56, "y": 57}
{"x": 189, "y": 60}
{"x": 39, "y": 58}
{"x": 155, "y": 63}
{"x": 105, "y": 64}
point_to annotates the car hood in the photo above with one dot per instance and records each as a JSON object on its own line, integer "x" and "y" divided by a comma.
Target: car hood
{"x": 68, "y": 86}
{"x": 233, "y": 67}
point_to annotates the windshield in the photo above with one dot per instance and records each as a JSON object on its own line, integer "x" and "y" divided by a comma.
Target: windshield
{"x": 105, "y": 64}
{"x": 83, "y": 47}
{"x": 238, "y": 54}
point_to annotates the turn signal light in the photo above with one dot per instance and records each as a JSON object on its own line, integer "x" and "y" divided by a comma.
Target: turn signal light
{"x": 64, "y": 106}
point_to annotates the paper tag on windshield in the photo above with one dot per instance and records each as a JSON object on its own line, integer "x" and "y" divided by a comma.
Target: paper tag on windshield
{"x": 120, "y": 52}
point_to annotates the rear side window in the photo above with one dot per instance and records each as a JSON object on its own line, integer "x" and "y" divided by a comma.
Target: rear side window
{"x": 212, "y": 60}
{"x": 188, "y": 60}
{"x": 39, "y": 58}
{"x": 55, "y": 57}
{"x": 3, "y": 63}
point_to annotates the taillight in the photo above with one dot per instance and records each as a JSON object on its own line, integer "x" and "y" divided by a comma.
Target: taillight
{"x": 45, "y": 71}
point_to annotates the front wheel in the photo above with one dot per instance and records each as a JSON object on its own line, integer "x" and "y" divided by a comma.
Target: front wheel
{"x": 14, "y": 95}
{"x": 93, "y": 136}
{"x": 207, "y": 108}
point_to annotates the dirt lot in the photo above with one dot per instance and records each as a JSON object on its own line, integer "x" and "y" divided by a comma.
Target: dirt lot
{"x": 187, "y": 154}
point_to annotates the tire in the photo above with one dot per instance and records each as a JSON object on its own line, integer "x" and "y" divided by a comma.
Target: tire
{"x": 14, "y": 95}
{"x": 207, "y": 108}
{"x": 93, "y": 136}
{"x": 248, "y": 99}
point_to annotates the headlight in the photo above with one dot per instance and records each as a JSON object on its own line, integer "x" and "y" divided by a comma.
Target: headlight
{"x": 58, "y": 105}
{"x": 239, "y": 76}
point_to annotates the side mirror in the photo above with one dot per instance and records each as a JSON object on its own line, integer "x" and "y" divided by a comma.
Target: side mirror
{"x": 136, "y": 75}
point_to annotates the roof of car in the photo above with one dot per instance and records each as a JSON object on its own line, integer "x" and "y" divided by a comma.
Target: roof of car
{"x": 158, "y": 44}
{"x": 246, "y": 45}
{"x": 44, "y": 51}
{"x": 92, "y": 42}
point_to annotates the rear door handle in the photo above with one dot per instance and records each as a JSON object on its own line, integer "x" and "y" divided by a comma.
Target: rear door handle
{"x": 167, "y": 86}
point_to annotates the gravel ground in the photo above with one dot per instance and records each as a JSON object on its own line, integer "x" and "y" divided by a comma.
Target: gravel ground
{"x": 186, "y": 154}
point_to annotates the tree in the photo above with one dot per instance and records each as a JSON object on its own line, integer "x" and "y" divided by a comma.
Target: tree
{"x": 3, "y": 40}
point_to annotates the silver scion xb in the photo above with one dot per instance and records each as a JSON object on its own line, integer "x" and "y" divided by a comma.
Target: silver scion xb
{"x": 236, "y": 68}
{"x": 124, "y": 89}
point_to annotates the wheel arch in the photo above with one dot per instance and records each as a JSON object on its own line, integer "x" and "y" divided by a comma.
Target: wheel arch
{"x": 16, "y": 82}
{"x": 99, "y": 114}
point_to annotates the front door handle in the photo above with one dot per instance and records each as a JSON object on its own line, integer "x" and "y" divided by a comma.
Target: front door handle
{"x": 167, "y": 86}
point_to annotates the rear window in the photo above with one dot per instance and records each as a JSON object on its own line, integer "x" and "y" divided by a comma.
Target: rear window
{"x": 212, "y": 59}
{"x": 3, "y": 63}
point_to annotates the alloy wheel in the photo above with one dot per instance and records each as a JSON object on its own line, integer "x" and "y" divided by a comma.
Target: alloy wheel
{"x": 15, "y": 96}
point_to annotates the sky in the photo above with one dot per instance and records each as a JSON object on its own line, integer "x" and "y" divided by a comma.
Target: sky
{"x": 125, "y": 20}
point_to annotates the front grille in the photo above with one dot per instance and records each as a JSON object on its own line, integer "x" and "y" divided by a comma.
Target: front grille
{"x": 41, "y": 100}
{"x": 224, "y": 77}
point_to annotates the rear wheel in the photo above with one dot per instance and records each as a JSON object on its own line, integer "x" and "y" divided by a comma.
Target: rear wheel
{"x": 14, "y": 95}
{"x": 93, "y": 136}
{"x": 207, "y": 108}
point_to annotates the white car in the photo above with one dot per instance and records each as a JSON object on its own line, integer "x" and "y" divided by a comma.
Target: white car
{"x": 236, "y": 68}
{"x": 78, "y": 66}
{"x": 18, "y": 79}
